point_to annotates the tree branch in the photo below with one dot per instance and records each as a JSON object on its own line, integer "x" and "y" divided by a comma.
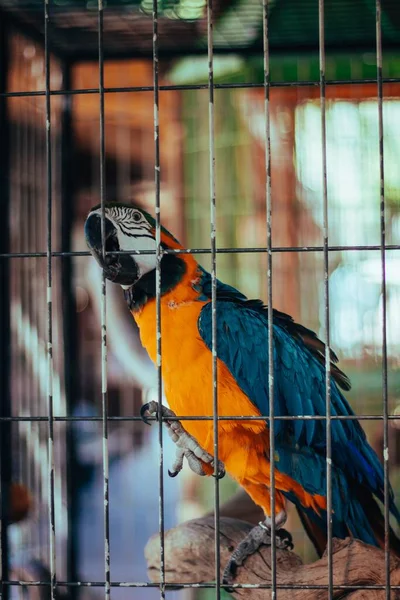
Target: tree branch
{"x": 189, "y": 558}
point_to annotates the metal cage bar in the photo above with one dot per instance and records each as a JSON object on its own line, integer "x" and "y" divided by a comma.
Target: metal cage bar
{"x": 70, "y": 329}
{"x": 200, "y": 586}
{"x": 51, "y": 464}
{"x": 199, "y": 86}
{"x": 274, "y": 249}
{"x": 382, "y": 223}
{"x": 90, "y": 419}
{"x": 321, "y": 23}
{"x": 213, "y": 246}
{"x": 159, "y": 252}
{"x": 5, "y": 358}
{"x": 104, "y": 387}
{"x": 268, "y": 201}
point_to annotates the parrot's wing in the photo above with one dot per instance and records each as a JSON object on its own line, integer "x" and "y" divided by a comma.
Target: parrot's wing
{"x": 299, "y": 384}
{"x": 286, "y": 322}
{"x": 299, "y": 388}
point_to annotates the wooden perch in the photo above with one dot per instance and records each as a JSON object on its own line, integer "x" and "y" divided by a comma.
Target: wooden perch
{"x": 189, "y": 558}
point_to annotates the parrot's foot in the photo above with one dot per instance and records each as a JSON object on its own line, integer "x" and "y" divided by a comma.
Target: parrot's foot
{"x": 200, "y": 461}
{"x": 259, "y": 535}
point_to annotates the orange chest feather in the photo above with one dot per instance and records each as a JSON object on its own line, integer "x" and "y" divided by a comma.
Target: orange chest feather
{"x": 188, "y": 381}
{"x": 187, "y": 371}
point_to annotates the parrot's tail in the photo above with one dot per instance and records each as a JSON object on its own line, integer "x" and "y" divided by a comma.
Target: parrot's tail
{"x": 377, "y": 522}
{"x": 314, "y": 531}
{"x": 315, "y": 526}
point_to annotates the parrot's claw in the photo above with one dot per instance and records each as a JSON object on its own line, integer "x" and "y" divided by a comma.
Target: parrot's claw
{"x": 259, "y": 535}
{"x": 187, "y": 445}
{"x": 173, "y": 473}
{"x": 143, "y": 412}
{"x": 221, "y": 470}
{"x": 152, "y": 409}
{"x": 178, "y": 464}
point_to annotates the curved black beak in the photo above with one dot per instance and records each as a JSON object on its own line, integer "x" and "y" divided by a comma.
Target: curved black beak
{"x": 93, "y": 233}
{"x": 119, "y": 268}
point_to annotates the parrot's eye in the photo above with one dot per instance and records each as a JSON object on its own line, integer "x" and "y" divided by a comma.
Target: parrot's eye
{"x": 137, "y": 217}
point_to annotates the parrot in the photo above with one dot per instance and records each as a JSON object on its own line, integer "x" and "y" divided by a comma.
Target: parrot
{"x": 242, "y": 356}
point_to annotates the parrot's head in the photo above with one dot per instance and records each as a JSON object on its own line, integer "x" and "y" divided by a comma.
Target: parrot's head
{"x": 131, "y": 229}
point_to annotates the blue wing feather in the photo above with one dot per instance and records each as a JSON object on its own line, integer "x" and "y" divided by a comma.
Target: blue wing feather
{"x": 299, "y": 377}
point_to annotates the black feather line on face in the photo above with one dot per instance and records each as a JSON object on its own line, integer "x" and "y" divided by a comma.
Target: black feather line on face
{"x": 173, "y": 269}
{"x": 149, "y": 218}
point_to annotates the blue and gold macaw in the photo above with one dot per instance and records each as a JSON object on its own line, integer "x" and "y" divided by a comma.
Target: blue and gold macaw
{"x": 242, "y": 370}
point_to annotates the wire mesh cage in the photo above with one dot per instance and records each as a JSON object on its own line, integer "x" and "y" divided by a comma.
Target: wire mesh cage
{"x": 265, "y": 136}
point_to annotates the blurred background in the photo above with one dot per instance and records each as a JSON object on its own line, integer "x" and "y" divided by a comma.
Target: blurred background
{"x": 297, "y": 199}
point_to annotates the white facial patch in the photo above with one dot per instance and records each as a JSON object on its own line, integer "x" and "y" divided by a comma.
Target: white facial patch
{"x": 145, "y": 262}
{"x": 133, "y": 235}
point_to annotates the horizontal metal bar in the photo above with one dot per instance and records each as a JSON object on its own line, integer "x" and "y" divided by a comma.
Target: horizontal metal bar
{"x": 304, "y": 50}
{"x": 39, "y": 419}
{"x": 260, "y": 249}
{"x": 172, "y": 586}
{"x": 195, "y": 86}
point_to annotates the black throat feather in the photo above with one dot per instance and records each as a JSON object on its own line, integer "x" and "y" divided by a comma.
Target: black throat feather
{"x": 173, "y": 269}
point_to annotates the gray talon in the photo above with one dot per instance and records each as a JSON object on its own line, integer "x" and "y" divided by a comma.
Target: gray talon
{"x": 173, "y": 473}
{"x": 258, "y": 536}
{"x": 221, "y": 470}
{"x": 187, "y": 445}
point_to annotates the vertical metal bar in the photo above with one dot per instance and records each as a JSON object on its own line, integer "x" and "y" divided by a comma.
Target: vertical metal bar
{"x": 30, "y": 236}
{"x": 383, "y": 288}
{"x": 157, "y": 174}
{"x": 211, "y": 133}
{"x": 104, "y": 395}
{"x": 321, "y": 21}
{"x": 5, "y": 303}
{"x": 269, "y": 292}
{"x": 70, "y": 327}
{"x": 49, "y": 301}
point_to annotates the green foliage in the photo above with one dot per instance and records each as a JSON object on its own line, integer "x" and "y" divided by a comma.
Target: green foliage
{"x": 188, "y": 10}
